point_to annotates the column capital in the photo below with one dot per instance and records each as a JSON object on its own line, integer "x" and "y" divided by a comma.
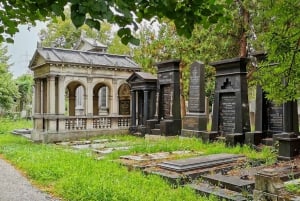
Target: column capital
{"x": 51, "y": 77}
{"x": 61, "y": 78}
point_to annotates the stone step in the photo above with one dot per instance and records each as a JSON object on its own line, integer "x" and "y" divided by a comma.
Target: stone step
{"x": 267, "y": 141}
{"x": 155, "y": 131}
{"x": 157, "y": 126}
{"x": 221, "y": 138}
{"x": 220, "y": 193}
{"x": 138, "y": 134}
{"x": 229, "y": 182}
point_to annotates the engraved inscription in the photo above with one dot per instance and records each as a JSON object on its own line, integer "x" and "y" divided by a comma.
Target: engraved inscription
{"x": 275, "y": 114}
{"x": 165, "y": 101}
{"x": 196, "y": 89}
{"x": 227, "y": 113}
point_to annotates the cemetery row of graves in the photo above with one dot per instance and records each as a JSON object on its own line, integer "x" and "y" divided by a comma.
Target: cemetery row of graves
{"x": 229, "y": 176}
{"x": 275, "y": 125}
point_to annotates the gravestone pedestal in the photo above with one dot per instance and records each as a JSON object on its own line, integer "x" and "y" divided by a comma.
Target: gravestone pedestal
{"x": 289, "y": 146}
{"x": 196, "y": 119}
{"x": 231, "y": 109}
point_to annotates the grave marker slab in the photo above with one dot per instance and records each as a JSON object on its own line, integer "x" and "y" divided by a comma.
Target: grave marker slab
{"x": 196, "y": 119}
{"x": 199, "y": 162}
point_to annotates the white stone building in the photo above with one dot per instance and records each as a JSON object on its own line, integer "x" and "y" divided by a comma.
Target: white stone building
{"x": 80, "y": 93}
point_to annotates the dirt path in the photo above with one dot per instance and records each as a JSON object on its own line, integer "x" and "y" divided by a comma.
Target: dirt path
{"x": 15, "y": 187}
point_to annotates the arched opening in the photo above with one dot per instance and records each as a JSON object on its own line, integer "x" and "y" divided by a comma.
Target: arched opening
{"x": 101, "y": 99}
{"x": 124, "y": 99}
{"x": 75, "y": 99}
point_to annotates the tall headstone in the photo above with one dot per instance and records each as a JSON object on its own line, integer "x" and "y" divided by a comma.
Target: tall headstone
{"x": 271, "y": 119}
{"x": 169, "y": 115}
{"x": 231, "y": 109}
{"x": 196, "y": 119}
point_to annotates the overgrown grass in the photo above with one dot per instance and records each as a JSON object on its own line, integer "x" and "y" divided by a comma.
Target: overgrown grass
{"x": 8, "y": 124}
{"x": 78, "y": 176}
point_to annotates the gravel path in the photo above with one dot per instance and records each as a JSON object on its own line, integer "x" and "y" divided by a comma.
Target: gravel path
{"x": 15, "y": 187}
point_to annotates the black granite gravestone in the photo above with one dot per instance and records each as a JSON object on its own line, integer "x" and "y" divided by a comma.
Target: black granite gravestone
{"x": 231, "y": 110}
{"x": 271, "y": 119}
{"x": 196, "y": 119}
{"x": 168, "y": 120}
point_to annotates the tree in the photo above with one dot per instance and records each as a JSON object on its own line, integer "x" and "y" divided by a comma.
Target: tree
{"x": 25, "y": 84}
{"x": 126, "y": 14}
{"x": 8, "y": 88}
{"x": 279, "y": 36}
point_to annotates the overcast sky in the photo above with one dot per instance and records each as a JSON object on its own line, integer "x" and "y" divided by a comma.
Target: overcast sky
{"x": 25, "y": 43}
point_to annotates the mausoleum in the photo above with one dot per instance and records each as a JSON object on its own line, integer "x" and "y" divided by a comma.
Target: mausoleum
{"x": 80, "y": 93}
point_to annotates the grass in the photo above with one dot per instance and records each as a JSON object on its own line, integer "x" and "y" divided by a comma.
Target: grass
{"x": 78, "y": 176}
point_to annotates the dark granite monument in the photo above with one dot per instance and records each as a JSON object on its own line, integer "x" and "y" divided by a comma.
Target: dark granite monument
{"x": 231, "y": 110}
{"x": 168, "y": 120}
{"x": 196, "y": 119}
{"x": 272, "y": 121}
{"x": 143, "y": 95}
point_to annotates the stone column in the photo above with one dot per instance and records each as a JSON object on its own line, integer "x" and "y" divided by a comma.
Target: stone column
{"x": 133, "y": 108}
{"x": 61, "y": 102}
{"x": 145, "y": 107}
{"x": 51, "y": 92}
{"x": 114, "y": 95}
{"x": 37, "y": 96}
{"x": 89, "y": 97}
{"x": 61, "y": 95}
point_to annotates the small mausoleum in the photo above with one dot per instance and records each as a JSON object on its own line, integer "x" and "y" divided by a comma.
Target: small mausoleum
{"x": 143, "y": 95}
{"x": 81, "y": 92}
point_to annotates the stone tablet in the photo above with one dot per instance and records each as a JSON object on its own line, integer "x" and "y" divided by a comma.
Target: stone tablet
{"x": 124, "y": 107}
{"x": 227, "y": 113}
{"x": 275, "y": 115}
{"x": 199, "y": 162}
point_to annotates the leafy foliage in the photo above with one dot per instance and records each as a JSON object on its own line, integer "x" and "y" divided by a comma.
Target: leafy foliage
{"x": 25, "y": 84}
{"x": 8, "y": 88}
{"x": 126, "y": 14}
{"x": 279, "y": 74}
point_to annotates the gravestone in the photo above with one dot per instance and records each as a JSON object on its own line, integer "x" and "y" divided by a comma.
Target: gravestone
{"x": 271, "y": 119}
{"x": 196, "y": 119}
{"x": 168, "y": 120}
{"x": 231, "y": 109}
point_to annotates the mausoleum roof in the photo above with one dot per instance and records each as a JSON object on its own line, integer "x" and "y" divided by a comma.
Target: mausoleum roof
{"x": 67, "y": 56}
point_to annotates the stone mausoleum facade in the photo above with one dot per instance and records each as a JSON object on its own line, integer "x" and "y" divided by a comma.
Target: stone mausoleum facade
{"x": 80, "y": 93}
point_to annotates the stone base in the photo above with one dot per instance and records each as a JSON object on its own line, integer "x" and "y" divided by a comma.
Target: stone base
{"x": 190, "y": 133}
{"x": 289, "y": 148}
{"x": 70, "y": 135}
{"x": 195, "y": 122}
{"x": 150, "y": 124}
{"x": 170, "y": 127}
{"x": 234, "y": 139}
{"x": 132, "y": 129}
{"x": 283, "y": 135}
{"x": 209, "y": 136}
{"x": 253, "y": 138}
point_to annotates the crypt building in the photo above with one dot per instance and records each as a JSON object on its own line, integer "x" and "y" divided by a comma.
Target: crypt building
{"x": 80, "y": 93}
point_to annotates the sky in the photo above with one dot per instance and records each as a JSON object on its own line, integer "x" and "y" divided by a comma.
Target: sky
{"x": 23, "y": 48}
